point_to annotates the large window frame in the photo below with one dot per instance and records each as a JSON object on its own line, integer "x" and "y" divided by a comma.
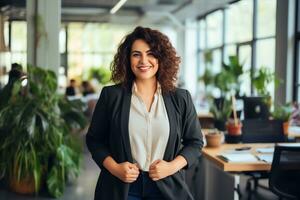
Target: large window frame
{"x": 252, "y": 42}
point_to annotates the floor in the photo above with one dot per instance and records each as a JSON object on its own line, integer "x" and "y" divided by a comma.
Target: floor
{"x": 83, "y": 188}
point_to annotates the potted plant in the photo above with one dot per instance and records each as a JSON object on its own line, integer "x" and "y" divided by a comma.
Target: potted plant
{"x": 214, "y": 138}
{"x": 221, "y": 112}
{"x": 234, "y": 128}
{"x": 36, "y": 144}
{"x": 233, "y": 125}
{"x": 261, "y": 80}
{"x": 283, "y": 113}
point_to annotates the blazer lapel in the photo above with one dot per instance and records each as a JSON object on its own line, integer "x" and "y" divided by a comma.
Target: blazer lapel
{"x": 171, "y": 115}
{"x": 124, "y": 123}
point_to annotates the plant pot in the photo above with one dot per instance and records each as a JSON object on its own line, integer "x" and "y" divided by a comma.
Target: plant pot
{"x": 213, "y": 139}
{"x": 233, "y": 139}
{"x": 220, "y": 125}
{"x": 233, "y": 129}
{"x": 22, "y": 186}
{"x": 285, "y": 128}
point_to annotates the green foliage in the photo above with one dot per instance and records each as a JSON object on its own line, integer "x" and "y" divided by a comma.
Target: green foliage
{"x": 283, "y": 112}
{"x": 262, "y": 78}
{"x": 35, "y": 132}
{"x": 221, "y": 112}
{"x": 228, "y": 79}
{"x": 208, "y": 78}
{"x": 101, "y": 74}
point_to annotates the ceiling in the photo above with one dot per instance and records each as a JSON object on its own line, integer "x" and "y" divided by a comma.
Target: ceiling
{"x": 132, "y": 12}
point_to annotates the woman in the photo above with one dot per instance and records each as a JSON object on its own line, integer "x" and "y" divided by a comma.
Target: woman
{"x": 144, "y": 131}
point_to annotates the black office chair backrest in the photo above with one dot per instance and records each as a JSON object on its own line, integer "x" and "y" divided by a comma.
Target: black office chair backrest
{"x": 284, "y": 179}
{"x": 262, "y": 131}
{"x": 256, "y": 108}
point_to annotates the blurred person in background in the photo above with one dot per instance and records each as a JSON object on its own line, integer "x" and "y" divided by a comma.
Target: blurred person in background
{"x": 14, "y": 75}
{"x": 71, "y": 89}
{"x": 87, "y": 88}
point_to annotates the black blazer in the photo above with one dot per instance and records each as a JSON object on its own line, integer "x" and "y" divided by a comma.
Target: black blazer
{"x": 108, "y": 135}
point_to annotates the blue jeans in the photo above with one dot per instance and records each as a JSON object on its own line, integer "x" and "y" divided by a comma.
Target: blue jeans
{"x": 144, "y": 189}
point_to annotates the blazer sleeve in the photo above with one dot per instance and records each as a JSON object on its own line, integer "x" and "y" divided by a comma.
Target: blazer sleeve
{"x": 98, "y": 132}
{"x": 192, "y": 139}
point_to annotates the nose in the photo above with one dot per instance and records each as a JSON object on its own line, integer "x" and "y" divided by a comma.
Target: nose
{"x": 144, "y": 59}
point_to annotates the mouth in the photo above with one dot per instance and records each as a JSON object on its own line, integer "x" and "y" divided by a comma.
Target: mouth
{"x": 144, "y": 68}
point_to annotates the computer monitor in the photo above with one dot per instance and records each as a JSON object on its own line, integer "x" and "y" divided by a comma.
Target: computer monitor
{"x": 256, "y": 108}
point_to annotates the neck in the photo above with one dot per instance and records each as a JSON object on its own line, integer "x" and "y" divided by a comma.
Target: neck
{"x": 146, "y": 86}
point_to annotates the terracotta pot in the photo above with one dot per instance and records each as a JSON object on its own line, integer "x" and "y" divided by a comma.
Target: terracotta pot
{"x": 213, "y": 139}
{"x": 23, "y": 186}
{"x": 233, "y": 129}
{"x": 286, "y": 128}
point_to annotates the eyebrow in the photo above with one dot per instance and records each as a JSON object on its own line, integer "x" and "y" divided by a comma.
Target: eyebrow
{"x": 136, "y": 51}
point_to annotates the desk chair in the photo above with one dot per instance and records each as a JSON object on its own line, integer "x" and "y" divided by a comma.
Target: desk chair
{"x": 284, "y": 179}
{"x": 260, "y": 131}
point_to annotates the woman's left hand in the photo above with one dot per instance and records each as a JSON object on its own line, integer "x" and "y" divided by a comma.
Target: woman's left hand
{"x": 160, "y": 169}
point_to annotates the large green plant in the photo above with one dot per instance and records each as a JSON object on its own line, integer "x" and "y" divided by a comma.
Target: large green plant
{"x": 228, "y": 80}
{"x": 102, "y": 74}
{"x": 35, "y": 137}
{"x": 262, "y": 79}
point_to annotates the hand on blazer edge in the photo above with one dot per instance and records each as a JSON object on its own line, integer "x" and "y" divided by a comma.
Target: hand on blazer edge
{"x": 160, "y": 169}
{"x": 126, "y": 171}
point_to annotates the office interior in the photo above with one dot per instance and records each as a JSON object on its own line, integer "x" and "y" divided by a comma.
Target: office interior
{"x": 239, "y": 60}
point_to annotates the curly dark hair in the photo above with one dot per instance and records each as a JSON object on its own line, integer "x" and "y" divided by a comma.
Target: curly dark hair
{"x": 160, "y": 45}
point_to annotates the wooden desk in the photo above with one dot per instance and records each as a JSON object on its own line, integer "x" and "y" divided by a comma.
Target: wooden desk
{"x": 223, "y": 176}
{"x": 211, "y": 154}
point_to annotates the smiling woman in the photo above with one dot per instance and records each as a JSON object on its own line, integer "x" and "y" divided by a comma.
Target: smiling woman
{"x": 160, "y": 47}
{"x": 144, "y": 130}
{"x": 143, "y": 63}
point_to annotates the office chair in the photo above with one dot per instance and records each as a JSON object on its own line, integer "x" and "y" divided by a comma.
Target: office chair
{"x": 284, "y": 179}
{"x": 260, "y": 131}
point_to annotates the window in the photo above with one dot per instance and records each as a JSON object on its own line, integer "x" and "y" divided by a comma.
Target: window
{"x": 19, "y": 42}
{"x": 91, "y": 45}
{"x": 202, "y": 34}
{"x": 245, "y": 59}
{"x": 266, "y": 13}
{"x": 248, "y": 29}
{"x": 214, "y": 29}
{"x": 239, "y": 24}
{"x": 296, "y": 90}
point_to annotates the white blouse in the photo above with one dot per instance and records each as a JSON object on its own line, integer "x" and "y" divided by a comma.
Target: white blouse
{"x": 148, "y": 131}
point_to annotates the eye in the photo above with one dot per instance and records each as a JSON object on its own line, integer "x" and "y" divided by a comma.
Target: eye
{"x": 135, "y": 54}
{"x": 151, "y": 54}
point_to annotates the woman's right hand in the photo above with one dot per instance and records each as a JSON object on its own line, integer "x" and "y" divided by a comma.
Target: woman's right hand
{"x": 126, "y": 171}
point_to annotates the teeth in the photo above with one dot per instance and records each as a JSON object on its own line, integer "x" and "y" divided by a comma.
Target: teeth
{"x": 144, "y": 67}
